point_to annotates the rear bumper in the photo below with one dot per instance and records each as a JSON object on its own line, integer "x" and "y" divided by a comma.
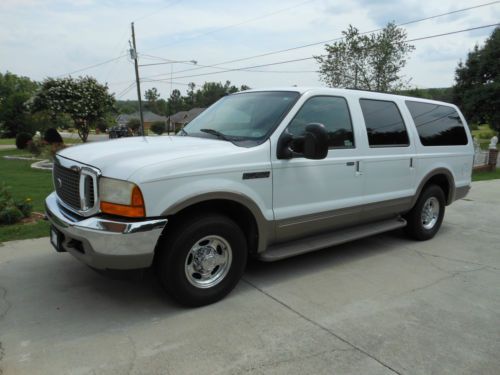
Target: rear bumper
{"x": 105, "y": 243}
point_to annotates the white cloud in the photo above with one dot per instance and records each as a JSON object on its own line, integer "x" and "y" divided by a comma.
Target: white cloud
{"x": 51, "y": 37}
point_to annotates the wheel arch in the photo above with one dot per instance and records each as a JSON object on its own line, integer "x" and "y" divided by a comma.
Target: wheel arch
{"x": 441, "y": 177}
{"x": 240, "y": 208}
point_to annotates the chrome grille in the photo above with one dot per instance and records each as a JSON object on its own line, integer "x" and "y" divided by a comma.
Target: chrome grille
{"x": 76, "y": 186}
{"x": 67, "y": 184}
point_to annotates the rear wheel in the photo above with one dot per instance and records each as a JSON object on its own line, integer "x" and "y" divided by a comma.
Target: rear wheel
{"x": 425, "y": 218}
{"x": 202, "y": 259}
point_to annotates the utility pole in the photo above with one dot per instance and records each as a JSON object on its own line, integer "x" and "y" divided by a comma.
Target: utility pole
{"x": 133, "y": 55}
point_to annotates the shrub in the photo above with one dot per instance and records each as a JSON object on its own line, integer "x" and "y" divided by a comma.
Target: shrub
{"x": 134, "y": 124}
{"x": 36, "y": 147}
{"x": 158, "y": 127}
{"x": 52, "y": 136}
{"x": 11, "y": 211}
{"x": 102, "y": 126}
{"x": 22, "y": 140}
{"x": 10, "y": 215}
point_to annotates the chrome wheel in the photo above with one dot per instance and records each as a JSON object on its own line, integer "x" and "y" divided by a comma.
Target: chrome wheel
{"x": 430, "y": 213}
{"x": 208, "y": 261}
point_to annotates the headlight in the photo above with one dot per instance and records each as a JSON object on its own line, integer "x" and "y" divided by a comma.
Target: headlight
{"x": 120, "y": 197}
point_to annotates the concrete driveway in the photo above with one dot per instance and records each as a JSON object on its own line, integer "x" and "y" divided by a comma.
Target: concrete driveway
{"x": 381, "y": 305}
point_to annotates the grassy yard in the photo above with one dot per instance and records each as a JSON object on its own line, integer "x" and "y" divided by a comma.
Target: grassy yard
{"x": 483, "y": 176}
{"x": 12, "y": 141}
{"x": 24, "y": 182}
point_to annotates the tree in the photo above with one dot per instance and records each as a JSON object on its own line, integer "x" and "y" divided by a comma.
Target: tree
{"x": 369, "y": 62}
{"x": 477, "y": 82}
{"x": 175, "y": 102}
{"x": 158, "y": 127}
{"x": 152, "y": 95}
{"x": 15, "y": 92}
{"x": 84, "y": 99}
{"x": 134, "y": 124}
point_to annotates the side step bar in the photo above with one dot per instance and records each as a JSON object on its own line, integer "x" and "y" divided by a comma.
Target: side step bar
{"x": 306, "y": 245}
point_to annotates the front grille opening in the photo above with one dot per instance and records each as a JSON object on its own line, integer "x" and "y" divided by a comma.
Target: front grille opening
{"x": 89, "y": 191}
{"x": 67, "y": 185}
{"x": 69, "y": 182}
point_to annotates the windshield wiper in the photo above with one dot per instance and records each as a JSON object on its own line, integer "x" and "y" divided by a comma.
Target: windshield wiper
{"x": 217, "y": 133}
{"x": 183, "y": 132}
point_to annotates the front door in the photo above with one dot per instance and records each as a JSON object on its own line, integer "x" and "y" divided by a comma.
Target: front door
{"x": 313, "y": 196}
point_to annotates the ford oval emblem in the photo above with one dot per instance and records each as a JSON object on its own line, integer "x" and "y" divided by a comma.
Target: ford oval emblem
{"x": 59, "y": 182}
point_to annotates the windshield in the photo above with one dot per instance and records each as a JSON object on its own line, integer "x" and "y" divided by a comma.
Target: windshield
{"x": 246, "y": 119}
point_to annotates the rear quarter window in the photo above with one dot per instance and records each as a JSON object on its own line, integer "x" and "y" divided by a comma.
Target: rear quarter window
{"x": 384, "y": 124}
{"x": 437, "y": 125}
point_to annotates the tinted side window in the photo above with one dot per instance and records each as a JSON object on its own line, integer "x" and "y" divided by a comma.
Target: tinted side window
{"x": 384, "y": 123}
{"x": 437, "y": 125}
{"x": 330, "y": 111}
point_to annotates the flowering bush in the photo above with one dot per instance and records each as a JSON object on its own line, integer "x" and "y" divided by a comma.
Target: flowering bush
{"x": 12, "y": 211}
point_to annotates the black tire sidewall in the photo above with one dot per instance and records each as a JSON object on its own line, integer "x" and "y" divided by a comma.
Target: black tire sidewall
{"x": 171, "y": 262}
{"x": 415, "y": 226}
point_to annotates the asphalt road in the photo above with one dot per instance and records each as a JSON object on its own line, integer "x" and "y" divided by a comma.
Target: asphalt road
{"x": 381, "y": 305}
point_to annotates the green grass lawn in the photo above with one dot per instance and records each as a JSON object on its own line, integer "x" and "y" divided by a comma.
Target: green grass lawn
{"x": 24, "y": 182}
{"x": 12, "y": 141}
{"x": 483, "y": 176}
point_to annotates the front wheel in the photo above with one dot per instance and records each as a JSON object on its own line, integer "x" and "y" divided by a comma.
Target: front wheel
{"x": 202, "y": 259}
{"x": 425, "y": 218}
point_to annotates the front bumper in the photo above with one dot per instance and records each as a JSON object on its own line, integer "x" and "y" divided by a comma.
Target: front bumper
{"x": 105, "y": 243}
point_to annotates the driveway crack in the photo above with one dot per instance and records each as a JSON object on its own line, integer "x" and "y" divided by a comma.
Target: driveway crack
{"x": 322, "y": 327}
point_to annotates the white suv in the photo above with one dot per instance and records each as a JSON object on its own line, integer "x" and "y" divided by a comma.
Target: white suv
{"x": 264, "y": 173}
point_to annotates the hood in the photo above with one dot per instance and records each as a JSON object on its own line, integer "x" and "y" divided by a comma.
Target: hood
{"x": 122, "y": 157}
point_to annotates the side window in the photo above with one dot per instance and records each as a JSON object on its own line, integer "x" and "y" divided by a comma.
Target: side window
{"x": 333, "y": 113}
{"x": 384, "y": 124}
{"x": 437, "y": 125}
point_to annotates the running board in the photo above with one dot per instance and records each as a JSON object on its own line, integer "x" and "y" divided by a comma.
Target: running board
{"x": 306, "y": 245}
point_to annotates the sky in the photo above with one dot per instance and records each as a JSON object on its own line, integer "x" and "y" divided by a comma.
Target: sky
{"x": 50, "y": 38}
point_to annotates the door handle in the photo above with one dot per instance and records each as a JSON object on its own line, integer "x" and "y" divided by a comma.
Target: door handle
{"x": 358, "y": 172}
{"x": 349, "y": 163}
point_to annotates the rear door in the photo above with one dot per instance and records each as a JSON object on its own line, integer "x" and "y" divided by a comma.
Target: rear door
{"x": 388, "y": 161}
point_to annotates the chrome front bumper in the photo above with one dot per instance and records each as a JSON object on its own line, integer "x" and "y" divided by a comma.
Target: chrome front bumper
{"x": 105, "y": 243}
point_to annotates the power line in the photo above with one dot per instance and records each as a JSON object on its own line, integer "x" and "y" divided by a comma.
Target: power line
{"x": 126, "y": 90}
{"x": 234, "y": 24}
{"x": 312, "y": 57}
{"x": 156, "y": 11}
{"x": 278, "y": 51}
{"x": 221, "y": 68}
{"x": 92, "y": 66}
{"x": 340, "y": 38}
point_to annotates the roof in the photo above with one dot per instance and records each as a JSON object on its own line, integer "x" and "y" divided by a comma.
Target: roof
{"x": 147, "y": 115}
{"x": 345, "y": 92}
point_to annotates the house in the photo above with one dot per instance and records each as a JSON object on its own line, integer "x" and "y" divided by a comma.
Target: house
{"x": 148, "y": 116}
{"x": 180, "y": 119}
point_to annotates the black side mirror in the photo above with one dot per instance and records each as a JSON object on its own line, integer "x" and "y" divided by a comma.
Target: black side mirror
{"x": 315, "y": 142}
{"x": 312, "y": 145}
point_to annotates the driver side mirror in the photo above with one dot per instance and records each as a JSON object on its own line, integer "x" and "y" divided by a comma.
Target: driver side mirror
{"x": 312, "y": 145}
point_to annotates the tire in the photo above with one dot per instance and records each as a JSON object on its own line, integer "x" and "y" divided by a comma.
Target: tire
{"x": 201, "y": 259}
{"x": 425, "y": 218}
